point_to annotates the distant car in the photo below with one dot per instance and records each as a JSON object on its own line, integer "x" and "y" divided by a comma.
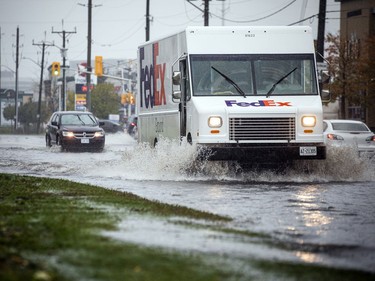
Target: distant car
{"x": 132, "y": 128}
{"x": 350, "y": 133}
{"x": 110, "y": 126}
{"x": 75, "y": 130}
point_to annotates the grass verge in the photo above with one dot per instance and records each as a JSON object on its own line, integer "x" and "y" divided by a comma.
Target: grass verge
{"x": 49, "y": 230}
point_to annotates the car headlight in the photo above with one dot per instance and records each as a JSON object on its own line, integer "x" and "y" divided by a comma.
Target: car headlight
{"x": 99, "y": 134}
{"x": 308, "y": 121}
{"x": 215, "y": 122}
{"x": 68, "y": 134}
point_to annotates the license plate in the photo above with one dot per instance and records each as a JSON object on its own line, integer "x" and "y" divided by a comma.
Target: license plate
{"x": 85, "y": 140}
{"x": 308, "y": 151}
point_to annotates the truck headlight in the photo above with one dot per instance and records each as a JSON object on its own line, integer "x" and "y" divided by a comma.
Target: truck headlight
{"x": 308, "y": 121}
{"x": 215, "y": 122}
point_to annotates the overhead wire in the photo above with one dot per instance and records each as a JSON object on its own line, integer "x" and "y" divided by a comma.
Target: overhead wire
{"x": 310, "y": 17}
{"x": 258, "y": 19}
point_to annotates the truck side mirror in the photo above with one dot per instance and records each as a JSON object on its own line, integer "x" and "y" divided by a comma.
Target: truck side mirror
{"x": 324, "y": 77}
{"x": 325, "y": 95}
{"x": 176, "y": 78}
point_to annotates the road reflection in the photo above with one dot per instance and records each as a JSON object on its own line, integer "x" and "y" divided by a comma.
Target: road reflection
{"x": 314, "y": 216}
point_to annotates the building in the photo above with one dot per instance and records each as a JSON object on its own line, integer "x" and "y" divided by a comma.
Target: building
{"x": 358, "y": 23}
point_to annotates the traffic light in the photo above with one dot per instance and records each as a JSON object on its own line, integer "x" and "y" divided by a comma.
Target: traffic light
{"x": 55, "y": 69}
{"x": 132, "y": 99}
{"x": 98, "y": 65}
{"x": 124, "y": 99}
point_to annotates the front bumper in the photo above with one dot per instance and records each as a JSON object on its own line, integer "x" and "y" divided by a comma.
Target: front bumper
{"x": 261, "y": 153}
{"x": 73, "y": 143}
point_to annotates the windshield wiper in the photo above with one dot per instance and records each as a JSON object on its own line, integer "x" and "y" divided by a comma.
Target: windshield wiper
{"x": 278, "y": 82}
{"x": 234, "y": 84}
{"x": 83, "y": 123}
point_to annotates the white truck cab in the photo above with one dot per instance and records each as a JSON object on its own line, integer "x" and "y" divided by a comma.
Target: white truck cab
{"x": 247, "y": 94}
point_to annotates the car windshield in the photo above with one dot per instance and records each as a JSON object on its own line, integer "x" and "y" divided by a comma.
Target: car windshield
{"x": 352, "y": 127}
{"x": 78, "y": 119}
{"x": 229, "y": 75}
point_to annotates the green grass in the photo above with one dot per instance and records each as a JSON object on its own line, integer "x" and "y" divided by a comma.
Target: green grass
{"x": 50, "y": 230}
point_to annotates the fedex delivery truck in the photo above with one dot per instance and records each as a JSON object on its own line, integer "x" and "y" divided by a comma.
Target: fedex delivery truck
{"x": 247, "y": 94}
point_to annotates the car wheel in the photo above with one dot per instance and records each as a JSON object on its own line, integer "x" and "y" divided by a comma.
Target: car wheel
{"x": 135, "y": 133}
{"x": 48, "y": 141}
{"x": 59, "y": 143}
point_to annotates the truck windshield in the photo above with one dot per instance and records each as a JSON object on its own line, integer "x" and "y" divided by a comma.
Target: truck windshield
{"x": 246, "y": 75}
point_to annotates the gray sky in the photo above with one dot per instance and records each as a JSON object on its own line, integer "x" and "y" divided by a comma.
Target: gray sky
{"x": 119, "y": 25}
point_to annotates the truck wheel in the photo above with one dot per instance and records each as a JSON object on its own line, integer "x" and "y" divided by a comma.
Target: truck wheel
{"x": 189, "y": 139}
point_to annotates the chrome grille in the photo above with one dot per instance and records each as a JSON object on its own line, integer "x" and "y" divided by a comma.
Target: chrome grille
{"x": 80, "y": 135}
{"x": 276, "y": 128}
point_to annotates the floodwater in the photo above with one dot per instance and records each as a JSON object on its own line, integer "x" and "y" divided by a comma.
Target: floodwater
{"x": 319, "y": 212}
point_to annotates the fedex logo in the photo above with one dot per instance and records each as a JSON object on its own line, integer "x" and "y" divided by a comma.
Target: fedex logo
{"x": 258, "y": 103}
{"x": 152, "y": 90}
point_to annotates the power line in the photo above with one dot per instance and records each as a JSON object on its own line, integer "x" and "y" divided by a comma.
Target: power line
{"x": 313, "y": 16}
{"x": 258, "y": 19}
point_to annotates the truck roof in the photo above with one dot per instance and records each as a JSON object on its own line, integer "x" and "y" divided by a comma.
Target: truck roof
{"x": 253, "y": 40}
{"x": 246, "y": 39}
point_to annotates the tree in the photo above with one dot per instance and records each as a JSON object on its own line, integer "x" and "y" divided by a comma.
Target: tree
{"x": 70, "y": 101}
{"x": 352, "y": 65}
{"x": 367, "y": 71}
{"x": 104, "y": 100}
{"x": 343, "y": 65}
{"x": 28, "y": 115}
{"x": 9, "y": 112}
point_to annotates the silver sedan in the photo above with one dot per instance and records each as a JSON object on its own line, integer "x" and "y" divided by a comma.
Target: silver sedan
{"x": 350, "y": 133}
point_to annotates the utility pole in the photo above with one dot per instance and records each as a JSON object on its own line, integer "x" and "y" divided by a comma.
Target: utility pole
{"x": 205, "y": 11}
{"x": 147, "y": 20}
{"x": 44, "y": 46}
{"x": 63, "y": 53}
{"x": 321, "y": 29}
{"x": 88, "y": 63}
{"x": 16, "y": 86}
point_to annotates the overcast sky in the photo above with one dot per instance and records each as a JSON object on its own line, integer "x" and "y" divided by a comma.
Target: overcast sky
{"x": 118, "y": 26}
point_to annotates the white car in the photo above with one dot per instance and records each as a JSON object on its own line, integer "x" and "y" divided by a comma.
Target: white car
{"x": 350, "y": 133}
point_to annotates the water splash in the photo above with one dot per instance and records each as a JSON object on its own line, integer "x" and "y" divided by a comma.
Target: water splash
{"x": 174, "y": 161}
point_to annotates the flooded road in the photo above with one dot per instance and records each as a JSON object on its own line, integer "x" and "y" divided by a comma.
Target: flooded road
{"x": 320, "y": 212}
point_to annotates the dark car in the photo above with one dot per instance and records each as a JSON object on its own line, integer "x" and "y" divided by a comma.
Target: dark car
{"x": 75, "y": 130}
{"x": 110, "y": 126}
{"x": 132, "y": 125}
